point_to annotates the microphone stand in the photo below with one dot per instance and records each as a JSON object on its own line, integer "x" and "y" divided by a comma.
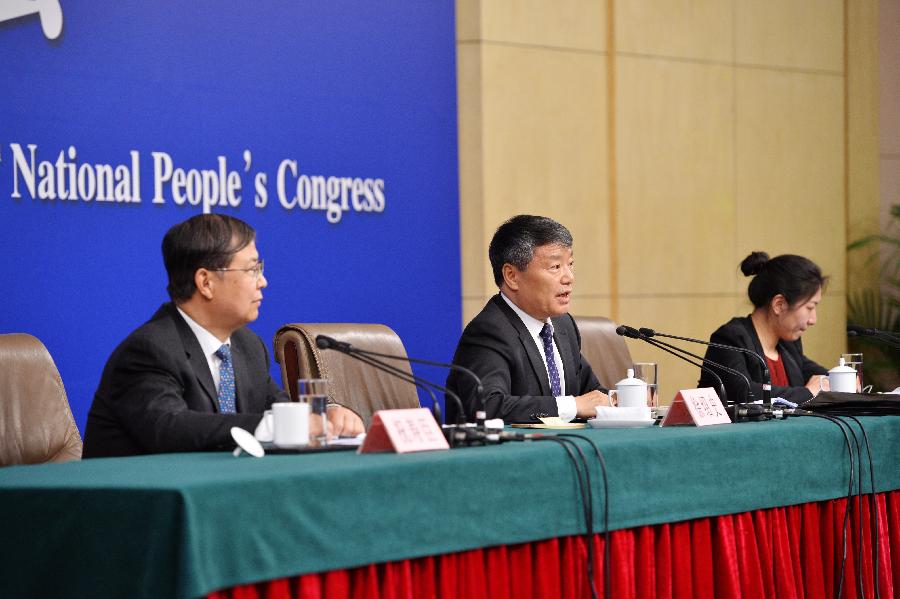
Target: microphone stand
{"x": 767, "y": 378}
{"x": 740, "y": 411}
{"x": 457, "y": 435}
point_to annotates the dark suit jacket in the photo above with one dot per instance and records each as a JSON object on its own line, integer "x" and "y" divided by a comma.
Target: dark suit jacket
{"x": 499, "y": 349}
{"x": 739, "y": 332}
{"x": 157, "y": 393}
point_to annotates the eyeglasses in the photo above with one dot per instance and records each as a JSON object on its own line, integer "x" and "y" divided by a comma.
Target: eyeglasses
{"x": 254, "y": 271}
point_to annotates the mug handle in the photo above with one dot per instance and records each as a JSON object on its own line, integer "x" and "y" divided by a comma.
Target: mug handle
{"x": 822, "y": 376}
{"x": 610, "y": 394}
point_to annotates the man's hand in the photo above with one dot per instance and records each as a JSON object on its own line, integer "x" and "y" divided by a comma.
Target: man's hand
{"x": 586, "y": 405}
{"x": 344, "y": 422}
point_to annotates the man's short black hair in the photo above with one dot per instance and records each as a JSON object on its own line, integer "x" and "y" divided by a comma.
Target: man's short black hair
{"x": 203, "y": 241}
{"x": 515, "y": 240}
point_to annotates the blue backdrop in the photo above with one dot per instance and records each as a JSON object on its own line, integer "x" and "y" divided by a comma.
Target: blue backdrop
{"x": 353, "y": 103}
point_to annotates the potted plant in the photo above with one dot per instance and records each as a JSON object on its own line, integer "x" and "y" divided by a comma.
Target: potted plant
{"x": 879, "y": 308}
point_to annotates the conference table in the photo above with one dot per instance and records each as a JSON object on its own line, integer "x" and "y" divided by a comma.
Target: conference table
{"x": 732, "y": 510}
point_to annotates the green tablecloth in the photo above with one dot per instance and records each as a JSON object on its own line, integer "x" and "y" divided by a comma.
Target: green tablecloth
{"x": 182, "y": 525}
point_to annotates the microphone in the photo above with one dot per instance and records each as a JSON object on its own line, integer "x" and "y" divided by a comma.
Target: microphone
{"x": 368, "y": 357}
{"x": 326, "y": 342}
{"x": 767, "y": 382}
{"x": 631, "y": 332}
{"x": 345, "y": 348}
{"x": 884, "y": 336}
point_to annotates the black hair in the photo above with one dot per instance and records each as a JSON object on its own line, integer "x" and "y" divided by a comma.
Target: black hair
{"x": 795, "y": 277}
{"x": 515, "y": 240}
{"x": 203, "y": 241}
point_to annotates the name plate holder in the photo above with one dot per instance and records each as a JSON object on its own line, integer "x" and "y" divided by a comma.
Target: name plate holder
{"x": 403, "y": 431}
{"x": 700, "y": 407}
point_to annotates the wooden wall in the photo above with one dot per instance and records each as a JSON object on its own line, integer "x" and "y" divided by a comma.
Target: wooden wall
{"x": 672, "y": 138}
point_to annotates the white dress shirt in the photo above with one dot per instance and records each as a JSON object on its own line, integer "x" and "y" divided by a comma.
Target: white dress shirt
{"x": 565, "y": 404}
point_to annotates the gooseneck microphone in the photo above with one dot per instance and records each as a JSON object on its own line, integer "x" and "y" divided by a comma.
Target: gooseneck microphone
{"x": 632, "y": 333}
{"x": 767, "y": 379}
{"x": 461, "y": 434}
{"x": 323, "y": 342}
{"x": 886, "y": 337}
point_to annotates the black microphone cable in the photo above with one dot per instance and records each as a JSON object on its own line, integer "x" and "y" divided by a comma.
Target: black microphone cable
{"x": 840, "y": 424}
{"x": 607, "y": 551}
{"x": 873, "y": 509}
{"x": 584, "y": 484}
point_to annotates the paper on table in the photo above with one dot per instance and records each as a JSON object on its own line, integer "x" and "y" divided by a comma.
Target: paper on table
{"x": 638, "y": 413}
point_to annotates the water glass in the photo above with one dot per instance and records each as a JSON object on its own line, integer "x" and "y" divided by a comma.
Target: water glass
{"x": 314, "y": 392}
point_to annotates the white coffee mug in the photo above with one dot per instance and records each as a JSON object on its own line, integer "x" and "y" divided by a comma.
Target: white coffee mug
{"x": 291, "y": 424}
{"x": 841, "y": 378}
{"x": 631, "y": 392}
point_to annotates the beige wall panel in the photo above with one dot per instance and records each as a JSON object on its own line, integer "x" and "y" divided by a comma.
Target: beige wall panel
{"x": 790, "y": 167}
{"x": 827, "y": 340}
{"x": 889, "y": 67}
{"x": 694, "y": 317}
{"x": 471, "y": 161}
{"x": 675, "y": 176}
{"x": 862, "y": 138}
{"x": 589, "y": 306}
{"x": 545, "y": 141}
{"x": 698, "y": 29}
{"x": 468, "y": 20}
{"x": 803, "y": 34}
{"x": 471, "y": 307}
{"x": 577, "y": 24}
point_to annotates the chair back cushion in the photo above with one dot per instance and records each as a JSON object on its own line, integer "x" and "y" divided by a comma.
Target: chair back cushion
{"x": 606, "y": 352}
{"x": 36, "y": 423}
{"x": 352, "y": 383}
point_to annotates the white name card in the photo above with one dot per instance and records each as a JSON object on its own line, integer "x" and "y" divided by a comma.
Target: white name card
{"x": 403, "y": 431}
{"x": 699, "y": 407}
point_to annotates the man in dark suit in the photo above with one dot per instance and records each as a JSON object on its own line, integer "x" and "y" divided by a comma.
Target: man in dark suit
{"x": 524, "y": 345}
{"x": 193, "y": 371}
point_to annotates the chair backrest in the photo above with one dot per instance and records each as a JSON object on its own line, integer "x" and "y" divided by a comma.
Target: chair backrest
{"x": 353, "y": 384}
{"x": 606, "y": 352}
{"x": 36, "y": 423}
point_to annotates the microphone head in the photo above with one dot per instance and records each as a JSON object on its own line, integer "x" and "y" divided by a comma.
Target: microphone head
{"x": 323, "y": 342}
{"x": 855, "y": 329}
{"x": 627, "y": 331}
{"x": 647, "y": 332}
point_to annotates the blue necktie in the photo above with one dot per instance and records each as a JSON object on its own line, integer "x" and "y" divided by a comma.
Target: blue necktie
{"x": 226, "y": 381}
{"x": 547, "y": 336}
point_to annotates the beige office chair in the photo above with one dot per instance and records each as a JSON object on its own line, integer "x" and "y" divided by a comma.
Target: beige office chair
{"x": 606, "y": 352}
{"x": 353, "y": 384}
{"x": 36, "y": 423}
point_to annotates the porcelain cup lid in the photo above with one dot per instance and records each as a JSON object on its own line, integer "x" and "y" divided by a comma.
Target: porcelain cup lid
{"x": 841, "y": 367}
{"x": 630, "y": 381}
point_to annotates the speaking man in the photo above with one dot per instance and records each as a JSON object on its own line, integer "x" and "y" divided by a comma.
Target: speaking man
{"x": 524, "y": 345}
{"x": 193, "y": 371}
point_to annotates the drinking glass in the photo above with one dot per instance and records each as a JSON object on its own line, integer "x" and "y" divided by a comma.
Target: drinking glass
{"x": 315, "y": 393}
{"x": 648, "y": 372}
{"x": 855, "y": 361}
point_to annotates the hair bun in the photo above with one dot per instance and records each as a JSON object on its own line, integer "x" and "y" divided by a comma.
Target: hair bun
{"x": 753, "y": 263}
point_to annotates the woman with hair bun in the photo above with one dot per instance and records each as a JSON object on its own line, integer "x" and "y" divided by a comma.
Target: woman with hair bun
{"x": 785, "y": 291}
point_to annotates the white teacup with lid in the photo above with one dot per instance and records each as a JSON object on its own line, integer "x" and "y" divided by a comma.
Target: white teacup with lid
{"x": 630, "y": 392}
{"x": 841, "y": 378}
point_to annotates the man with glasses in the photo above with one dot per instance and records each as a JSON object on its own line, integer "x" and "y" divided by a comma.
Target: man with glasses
{"x": 193, "y": 371}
